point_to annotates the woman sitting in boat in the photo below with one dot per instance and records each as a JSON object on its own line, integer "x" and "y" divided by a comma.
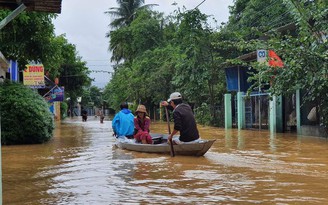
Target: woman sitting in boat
{"x": 142, "y": 125}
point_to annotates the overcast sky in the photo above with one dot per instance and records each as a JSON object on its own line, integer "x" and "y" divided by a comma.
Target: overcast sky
{"x": 85, "y": 25}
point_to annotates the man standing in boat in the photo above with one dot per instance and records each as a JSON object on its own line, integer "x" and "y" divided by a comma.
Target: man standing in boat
{"x": 184, "y": 120}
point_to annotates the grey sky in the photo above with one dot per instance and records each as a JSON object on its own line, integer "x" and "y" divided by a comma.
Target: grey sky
{"x": 86, "y": 25}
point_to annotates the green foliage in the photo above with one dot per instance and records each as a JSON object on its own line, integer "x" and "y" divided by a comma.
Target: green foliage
{"x": 119, "y": 89}
{"x": 92, "y": 95}
{"x": 144, "y": 33}
{"x": 148, "y": 75}
{"x": 208, "y": 115}
{"x": 29, "y": 37}
{"x": 199, "y": 74}
{"x": 182, "y": 53}
{"x": 74, "y": 73}
{"x": 126, "y": 12}
{"x": 304, "y": 57}
{"x": 194, "y": 40}
{"x": 203, "y": 114}
{"x": 156, "y": 68}
{"x": 250, "y": 19}
{"x": 120, "y": 44}
{"x": 63, "y": 110}
{"x": 165, "y": 55}
{"x": 25, "y": 116}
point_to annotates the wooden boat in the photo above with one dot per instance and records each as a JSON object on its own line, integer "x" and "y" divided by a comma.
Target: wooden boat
{"x": 198, "y": 148}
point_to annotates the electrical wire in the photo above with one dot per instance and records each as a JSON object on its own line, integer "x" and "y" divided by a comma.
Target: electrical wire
{"x": 102, "y": 71}
{"x": 255, "y": 14}
{"x": 199, "y": 5}
{"x": 99, "y": 65}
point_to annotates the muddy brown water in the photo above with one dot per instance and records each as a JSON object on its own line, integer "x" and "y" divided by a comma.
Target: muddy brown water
{"x": 80, "y": 165}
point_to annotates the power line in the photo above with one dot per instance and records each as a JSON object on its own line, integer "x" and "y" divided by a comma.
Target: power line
{"x": 199, "y": 4}
{"x": 263, "y": 11}
{"x": 255, "y": 14}
{"x": 100, "y": 65}
{"x": 98, "y": 60}
{"x": 102, "y": 71}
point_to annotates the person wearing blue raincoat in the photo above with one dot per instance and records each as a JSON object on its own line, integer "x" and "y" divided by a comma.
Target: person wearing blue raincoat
{"x": 123, "y": 122}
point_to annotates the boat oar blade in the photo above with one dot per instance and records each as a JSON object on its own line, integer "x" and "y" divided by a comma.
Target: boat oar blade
{"x": 171, "y": 148}
{"x": 169, "y": 129}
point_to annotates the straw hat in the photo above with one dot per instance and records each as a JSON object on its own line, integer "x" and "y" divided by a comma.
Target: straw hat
{"x": 141, "y": 108}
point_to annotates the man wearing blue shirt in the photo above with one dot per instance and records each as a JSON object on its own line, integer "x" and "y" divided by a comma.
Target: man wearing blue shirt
{"x": 123, "y": 124}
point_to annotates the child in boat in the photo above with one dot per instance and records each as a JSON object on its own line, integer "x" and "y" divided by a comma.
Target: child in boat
{"x": 142, "y": 125}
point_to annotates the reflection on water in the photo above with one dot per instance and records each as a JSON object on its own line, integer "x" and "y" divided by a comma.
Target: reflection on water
{"x": 81, "y": 166}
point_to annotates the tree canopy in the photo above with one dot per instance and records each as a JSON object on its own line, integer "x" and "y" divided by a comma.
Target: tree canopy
{"x": 304, "y": 55}
{"x": 126, "y": 12}
{"x": 30, "y": 38}
{"x": 156, "y": 55}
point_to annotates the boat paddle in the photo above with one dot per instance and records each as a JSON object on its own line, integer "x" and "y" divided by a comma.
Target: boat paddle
{"x": 169, "y": 128}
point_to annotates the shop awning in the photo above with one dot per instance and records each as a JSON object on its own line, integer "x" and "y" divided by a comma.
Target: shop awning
{"x": 51, "y": 6}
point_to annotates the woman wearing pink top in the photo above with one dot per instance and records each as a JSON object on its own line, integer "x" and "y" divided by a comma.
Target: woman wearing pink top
{"x": 142, "y": 125}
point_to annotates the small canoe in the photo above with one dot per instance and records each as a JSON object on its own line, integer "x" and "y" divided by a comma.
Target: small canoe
{"x": 198, "y": 148}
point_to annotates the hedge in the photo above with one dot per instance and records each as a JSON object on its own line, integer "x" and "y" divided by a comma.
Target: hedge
{"x": 25, "y": 115}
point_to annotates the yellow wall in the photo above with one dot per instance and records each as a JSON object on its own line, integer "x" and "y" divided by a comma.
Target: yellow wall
{"x": 57, "y": 110}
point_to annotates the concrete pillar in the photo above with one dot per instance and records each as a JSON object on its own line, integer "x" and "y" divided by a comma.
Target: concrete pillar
{"x": 241, "y": 110}
{"x": 272, "y": 111}
{"x": 227, "y": 111}
{"x": 279, "y": 120}
{"x": 57, "y": 111}
{"x": 276, "y": 121}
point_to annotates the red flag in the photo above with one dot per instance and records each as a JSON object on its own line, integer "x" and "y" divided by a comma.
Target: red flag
{"x": 274, "y": 59}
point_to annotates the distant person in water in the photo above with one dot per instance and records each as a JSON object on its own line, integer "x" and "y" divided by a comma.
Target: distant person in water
{"x": 123, "y": 122}
{"x": 142, "y": 125}
{"x": 101, "y": 115}
{"x": 84, "y": 115}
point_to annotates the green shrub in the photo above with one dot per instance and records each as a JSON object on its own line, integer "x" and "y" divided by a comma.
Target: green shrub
{"x": 203, "y": 115}
{"x": 207, "y": 115}
{"x": 25, "y": 115}
{"x": 63, "y": 110}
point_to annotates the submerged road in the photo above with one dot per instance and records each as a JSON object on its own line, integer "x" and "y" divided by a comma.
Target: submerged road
{"x": 80, "y": 165}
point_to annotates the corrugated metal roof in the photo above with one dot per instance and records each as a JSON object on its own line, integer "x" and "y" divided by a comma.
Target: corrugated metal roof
{"x": 51, "y": 6}
{"x": 248, "y": 56}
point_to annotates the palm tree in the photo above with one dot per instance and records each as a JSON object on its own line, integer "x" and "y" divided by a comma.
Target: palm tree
{"x": 126, "y": 11}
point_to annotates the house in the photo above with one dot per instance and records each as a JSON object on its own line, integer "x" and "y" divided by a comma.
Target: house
{"x": 260, "y": 110}
{"x": 3, "y": 67}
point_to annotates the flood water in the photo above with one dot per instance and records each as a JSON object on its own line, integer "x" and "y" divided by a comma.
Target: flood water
{"x": 81, "y": 166}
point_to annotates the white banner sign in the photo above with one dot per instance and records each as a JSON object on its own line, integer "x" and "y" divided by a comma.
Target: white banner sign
{"x": 262, "y": 56}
